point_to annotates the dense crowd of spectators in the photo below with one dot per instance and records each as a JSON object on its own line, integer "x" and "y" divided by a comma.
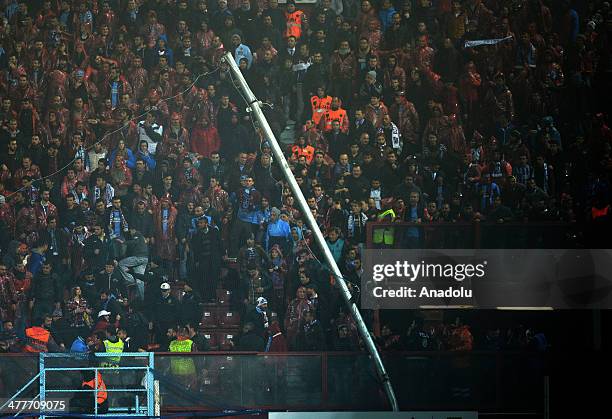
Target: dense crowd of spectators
{"x": 133, "y": 178}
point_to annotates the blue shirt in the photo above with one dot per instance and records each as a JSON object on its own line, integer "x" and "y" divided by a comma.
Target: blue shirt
{"x": 130, "y": 162}
{"x": 148, "y": 159}
{"x": 116, "y": 223}
{"x": 115, "y": 93}
{"x": 247, "y": 209}
{"x": 336, "y": 249}
{"x": 413, "y": 216}
{"x": 279, "y": 228}
{"x": 36, "y": 261}
{"x": 386, "y": 17}
{"x": 242, "y": 51}
{"x": 194, "y": 224}
{"x": 79, "y": 346}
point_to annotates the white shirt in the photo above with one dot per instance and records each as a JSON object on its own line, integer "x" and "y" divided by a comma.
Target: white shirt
{"x": 94, "y": 157}
{"x": 142, "y": 135}
{"x": 376, "y": 195}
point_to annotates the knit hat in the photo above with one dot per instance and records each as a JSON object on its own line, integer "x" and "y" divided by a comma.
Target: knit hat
{"x": 372, "y": 74}
{"x": 261, "y": 301}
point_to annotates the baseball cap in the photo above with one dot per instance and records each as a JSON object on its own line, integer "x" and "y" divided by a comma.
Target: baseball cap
{"x": 261, "y": 301}
{"x": 104, "y": 313}
{"x": 165, "y": 286}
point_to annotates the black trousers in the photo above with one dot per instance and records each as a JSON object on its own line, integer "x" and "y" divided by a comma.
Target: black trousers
{"x": 206, "y": 277}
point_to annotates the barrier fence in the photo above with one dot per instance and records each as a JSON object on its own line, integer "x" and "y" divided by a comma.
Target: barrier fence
{"x": 473, "y": 235}
{"x": 484, "y": 381}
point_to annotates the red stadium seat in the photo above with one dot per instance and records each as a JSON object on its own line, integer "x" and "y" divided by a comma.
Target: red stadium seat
{"x": 224, "y": 339}
{"x": 223, "y": 296}
{"x": 209, "y": 319}
{"x": 213, "y": 342}
{"x": 228, "y": 319}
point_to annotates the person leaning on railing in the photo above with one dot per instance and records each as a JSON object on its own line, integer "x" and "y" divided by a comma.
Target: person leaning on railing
{"x": 183, "y": 367}
{"x": 83, "y": 401}
{"x": 39, "y": 338}
{"x": 384, "y": 236}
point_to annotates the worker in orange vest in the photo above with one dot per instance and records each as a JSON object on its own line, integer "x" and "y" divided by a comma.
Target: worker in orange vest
{"x": 320, "y": 103}
{"x": 294, "y": 20}
{"x": 335, "y": 113}
{"x": 83, "y": 402}
{"x": 39, "y": 339}
{"x": 302, "y": 148}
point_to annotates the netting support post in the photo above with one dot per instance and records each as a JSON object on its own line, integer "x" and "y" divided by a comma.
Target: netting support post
{"x": 151, "y": 399}
{"x": 41, "y": 379}
{"x": 256, "y": 112}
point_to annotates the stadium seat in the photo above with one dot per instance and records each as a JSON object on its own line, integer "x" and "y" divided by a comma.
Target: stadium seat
{"x": 209, "y": 319}
{"x": 224, "y": 296}
{"x": 212, "y": 340}
{"x": 224, "y": 339}
{"x": 228, "y": 319}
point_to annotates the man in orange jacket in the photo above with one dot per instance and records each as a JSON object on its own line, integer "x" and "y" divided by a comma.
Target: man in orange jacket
{"x": 302, "y": 148}
{"x": 83, "y": 402}
{"x": 335, "y": 113}
{"x": 294, "y": 20}
{"x": 320, "y": 103}
{"x": 39, "y": 339}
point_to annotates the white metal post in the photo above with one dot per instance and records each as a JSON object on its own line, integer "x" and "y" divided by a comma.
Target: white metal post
{"x": 256, "y": 112}
{"x": 43, "y": 379}
{"x": 151, "y": 402}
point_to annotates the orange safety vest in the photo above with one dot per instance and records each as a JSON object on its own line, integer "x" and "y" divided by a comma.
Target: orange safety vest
{"x": 294, "y": 24}
{"x": 307, "y": 151}
{"x": 102, "y": 394}
{"x": 319, "y": 106}
{"x": 330, "y": 115}
{"x": 36, "y": 339}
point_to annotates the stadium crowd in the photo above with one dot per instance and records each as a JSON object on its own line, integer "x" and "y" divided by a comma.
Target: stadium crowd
{"x": 134, "y": 183}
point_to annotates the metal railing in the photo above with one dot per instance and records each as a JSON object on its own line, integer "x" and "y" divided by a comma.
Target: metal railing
{"x": 474, "y": 235}
{"x": 60, "y": 374}
{"x": 218, "y": 381}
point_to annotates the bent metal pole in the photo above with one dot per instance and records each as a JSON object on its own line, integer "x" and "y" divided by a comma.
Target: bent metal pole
{"x": 256, "y": 111}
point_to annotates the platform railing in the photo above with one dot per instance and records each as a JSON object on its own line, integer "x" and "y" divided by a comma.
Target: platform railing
{"x": 59, "y": 377}
{"x": 307, "y": 381}
{"x": 473, "y": 235}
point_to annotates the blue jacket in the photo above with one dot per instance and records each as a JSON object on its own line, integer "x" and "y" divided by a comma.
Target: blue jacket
{"x": 336, "y": 249}
{"x": 386, "y": 17}
{"x": 149, "y": 160}
{"x": 243, "y": 51}
{"x": 79, "y": 346}
{"x": 279, "y": 228}
{"x": 36, "y": 261}
{"x": 131, "y": 160}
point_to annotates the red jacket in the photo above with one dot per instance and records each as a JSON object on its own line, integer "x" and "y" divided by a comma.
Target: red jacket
{"x": 204, "y": 141}
{"x": 279, "y": 343}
